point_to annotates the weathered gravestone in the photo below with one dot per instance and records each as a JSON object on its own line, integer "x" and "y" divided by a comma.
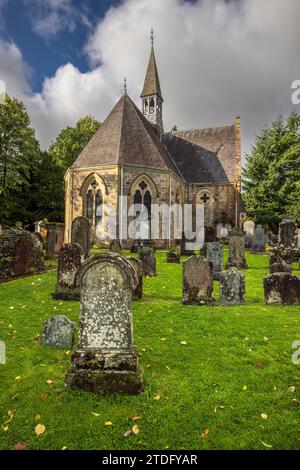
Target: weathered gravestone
{"x": 137, "y": 292}
{"x": 260, "y": 240}
{"x": 287, "y": 233}
{"x": 236, "y": 256}
{"x": 55, "y": 238}
{"x": 135, "y": 247}
{"x": 213, "y": 251}
{"x": 281, "y": 267}
{"x": 81, "y": 234}
{"x": 148, "y": 260}
{"x": 69, "y": 262}
{"x": 282, "y": 289}
{"x": 58, "y": 332}
{"x": 232, "y": 287}
{"x": 115, "y": 247}
{"x": 20, "y": 254}
{"x": 184, "y": 243}
{"x": 198, "y": 275}
{"x": 249, "y": 229}
{"x": 106, "y": 359}
{"x": 173, "y": 256}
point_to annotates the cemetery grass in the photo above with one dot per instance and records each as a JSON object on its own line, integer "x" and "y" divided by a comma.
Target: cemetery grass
{"x": 216, "y": 377}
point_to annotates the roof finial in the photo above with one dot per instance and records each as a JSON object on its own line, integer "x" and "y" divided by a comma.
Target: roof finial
{"x": 125, "y": 86}
{"x": 152, "y": 37}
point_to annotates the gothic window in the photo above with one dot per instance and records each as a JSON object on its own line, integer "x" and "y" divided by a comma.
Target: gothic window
{"x": 152, "y": 106}
{"x": 146, "y": 106}
{"x": 89, "y": 205}
{"x": 138, "y": 199}
{"x": 93, "y": 203}
{"x": 147, "y": 203}
{"x": 98, "y": 207}
{"x": 143, "y": 196}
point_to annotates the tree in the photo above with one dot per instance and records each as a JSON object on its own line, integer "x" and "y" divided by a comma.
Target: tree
{"x": 19, "y": 151}
{"x": 72, "y": 140}
{"x": 272, "y": 173}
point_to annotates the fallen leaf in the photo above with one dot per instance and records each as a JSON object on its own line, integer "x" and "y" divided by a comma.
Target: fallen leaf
{"x": 205, "y": 433}
{"x": 67, "y": 353}
{"x": 266, "y": 339}
{"x": 156, "y": 398}
{"x": 43, "y": 397}
{"x": 108, "y": 423}
{"x": 135, "y": 429}
{"x": 292, "y": 389}
{"x": 39, "y": 429}
{"x": 260, "y": 365}
{"x": 127, "y": 433}
{"x": 5, "y": 428}
{"x": 49, "y": 382}
{"x": 269, "y": 446}
{"x": 95, "y": 414}
{"x": 64, "y": 448}
{"x": 183, "y": 342}
{"x": 38, "y": 417}
{"x": 245, "y": 387}
{"x": 264, "y": 416}
{"x": 18, "y": 377}
{"x": 20, "y": 446}
{"x": 135, "y": 418}
{"x": 246, "y": 338}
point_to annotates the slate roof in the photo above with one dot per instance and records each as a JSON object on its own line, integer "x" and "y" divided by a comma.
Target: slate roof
{"x": 204, "y": 155}
{"x": 125, "y": 137}
{"x": 151, "y": 84}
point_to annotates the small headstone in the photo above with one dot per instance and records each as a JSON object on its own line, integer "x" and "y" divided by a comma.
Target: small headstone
{"x": 214, "y": 252}
{"x": 69, "y": 262}
{"x": 137, "y": 292}
{"x": 148, "y": 260}
{"x": 249, "y": 227}
{"x": 232, "y": 287}
{"x": 106, "y": 359}
{"x": 135, "y": 247}
{"x": 184, "y": 251}
{"x": 198, "y": 275}
{"x": 173, "y": 256}
{"x": 19, "y": 225}
{"x": 260, "y": 240}
{"x": 287, "y": 233}
{"x": 55, "y": 238}
{"x": 281, "y": 267}
{"x": 58, "y": 332}
{"x": 115, "y": 247}
{"x": 81, "y": 234}
{"x": 236, "y": 256}
{"x": 282, "y": 289}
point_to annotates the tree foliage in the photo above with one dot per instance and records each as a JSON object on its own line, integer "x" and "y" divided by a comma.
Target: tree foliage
{"x": 272, "y": 173}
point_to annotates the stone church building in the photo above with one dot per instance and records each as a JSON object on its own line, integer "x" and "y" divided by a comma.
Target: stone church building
{"x": 131, "y": 155}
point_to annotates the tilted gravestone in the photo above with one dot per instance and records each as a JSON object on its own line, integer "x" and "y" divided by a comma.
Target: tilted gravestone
{"x": 260, "y": 240}
{"x": 137, "y": 292}
{"x": 287, "y": 233}
{"x": 70, "y": 260}
{"x": 81, "y": 234}
{"x": 115, "y": 247}
{"x": 148, "y": 260}
{"x": 232, "y": 287}
{"x": 213, "y": 251}
{"x": 173, "y": 256}
{"x": 236, "y": 256}
{"x": 282, "y": 289}
{"x": 106, "y": 359}
{"x": 58, "y": 332}
{"x": 198, "y": 275}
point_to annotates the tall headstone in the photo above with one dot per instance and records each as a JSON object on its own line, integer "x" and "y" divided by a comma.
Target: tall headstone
{"x": 115, "y": 247}
{"x": 249, "y": 229}
{"x": 58, "y": 332}
{"x": 214, "y": 252}
{"x": 232, "y": 287}
{"x": 236, "y": 256}
{"x": 137, "y": 292}
{"x": 70, "y": 260}
{"x": 148, "y": 260}
{"x": 282, "y": 289}
{"x": 55, "y": 238}
{"x": 260, "y": 240}
{"x": 81, "y": 234}
{"x": 106, "y": 359}
{"x": 198, "y": 275}
{"x": 287, "y": 233}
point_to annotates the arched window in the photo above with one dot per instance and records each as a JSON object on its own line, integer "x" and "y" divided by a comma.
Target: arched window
{"x": 93, "y": 203}
{"x": 89, "y": 205}
{"x": 152, "y": 106}
{"x": 98, "y": 207}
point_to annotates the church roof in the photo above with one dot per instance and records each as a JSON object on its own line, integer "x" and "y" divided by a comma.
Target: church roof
{"x": 125, "y": 137}
{"x": 204, "y": 155}
{"x": 151, "y": 84}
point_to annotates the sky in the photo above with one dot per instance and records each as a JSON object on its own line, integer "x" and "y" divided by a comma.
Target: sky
{"x": 216, "y": 59}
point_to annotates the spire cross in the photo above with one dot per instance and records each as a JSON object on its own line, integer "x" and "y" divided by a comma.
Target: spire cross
{"x": 125, "y": 86}
{"x": 152, "y": 37}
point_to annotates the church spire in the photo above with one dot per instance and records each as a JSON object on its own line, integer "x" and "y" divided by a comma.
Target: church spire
{"x": 151, "y": 94}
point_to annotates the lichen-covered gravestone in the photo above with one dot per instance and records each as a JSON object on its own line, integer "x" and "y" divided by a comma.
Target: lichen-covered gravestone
{"x": 69, "y": 262}
{"x": 287, "y": 233}
{"x": 281, "y": 267}
{"x": 236, "y": 256}
{"x": 260, "y": 240}
{"x": 115, "y": 247}
{"x": 282, "y": 289}
{"x": 58, "y": 332}
{"x": 213, "y": 251}
{"x": 81, "y": 234}
{"x": 173, "y": 256}
{"x": 148, "y": 260}
{"x": 106, "y": 359}
{"x": 232, "y": 287}
{"x": 137, "y": 292}
{"x": 198, "y": 275}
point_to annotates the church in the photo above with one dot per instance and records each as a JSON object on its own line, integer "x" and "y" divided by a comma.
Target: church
{"x": 131, "y": 155}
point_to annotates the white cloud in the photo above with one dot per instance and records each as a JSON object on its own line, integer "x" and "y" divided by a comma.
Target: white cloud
{"x": 216, "y": 60}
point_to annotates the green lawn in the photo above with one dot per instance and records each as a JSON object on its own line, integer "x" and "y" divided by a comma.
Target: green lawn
{"x": 210, "y": 383}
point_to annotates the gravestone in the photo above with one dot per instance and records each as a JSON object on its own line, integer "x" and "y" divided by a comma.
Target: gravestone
{"x": 184, "y": 251}
{"x": 115, "y": 247}
{"x": 135, "y": 247}
{"x": 19, "y": 225}
{"x": 282, "y": 289}
{"x": 69, "y": 262}
{"x": 259, "y": 241}
{"x": 281, "y": 267}
{"x": 106, "y": 359}
{"x": 236, "y": 256}
{"x": 198, "y": 275}
{"x": 173, "y": 256}
{"x": 81, "y": 234}
{"x": 137, "y": 292}
{"x": 249, "y": 229}
{"x": 232, "y": 287}
{"x": 148, "y": 260}
{"x": 287, "y": 233}
{"x": 213, "y": 251}
{"x": 55, "y": 238}
{"x": 58, "y": 332}
{"x": 20, "y": 254}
